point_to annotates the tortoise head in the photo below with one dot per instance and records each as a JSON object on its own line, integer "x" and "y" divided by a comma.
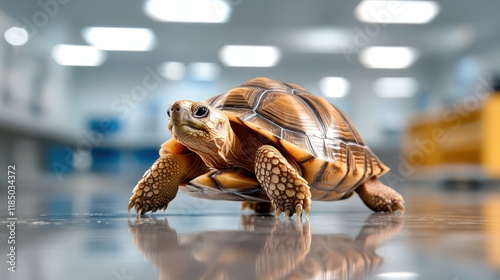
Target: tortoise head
{"x": 197, "y": 125}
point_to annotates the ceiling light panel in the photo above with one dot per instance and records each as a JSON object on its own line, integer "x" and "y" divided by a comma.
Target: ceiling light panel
{"x": 172, "y": 70}
{"x": 249, "y": 56}
{"x": 120, "y": 39}
{"x": 396, "y": 12}
{"x": 16, "y": 36}
{"x": 334, "y": 86}
{"x": 388, "y": 57}
{"x": 201, "y": 11}
{"x": 75, "y": 55}
{"x": 318, "y": 39}
{"x": 398, "y": 275}
{"x": 203, "y": 71}
{"x": 395, "y": 87}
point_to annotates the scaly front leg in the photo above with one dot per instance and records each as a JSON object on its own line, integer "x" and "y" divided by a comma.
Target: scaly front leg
{"x": 287, "y": 190}
{"x": 160, "y": 183}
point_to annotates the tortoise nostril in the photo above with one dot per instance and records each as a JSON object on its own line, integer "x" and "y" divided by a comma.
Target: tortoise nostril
{"x": 177, "y": 108}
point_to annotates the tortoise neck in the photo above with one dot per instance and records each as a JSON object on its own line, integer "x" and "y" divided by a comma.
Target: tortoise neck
{"x": 243, "y": 147}
{"x": 235, "y": 149}
{"x": 219, "y": 152}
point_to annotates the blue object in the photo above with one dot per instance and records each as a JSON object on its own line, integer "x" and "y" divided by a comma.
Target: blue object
{"x": 105, "y": 159}
{"x": 59, "y": 160}
{"x": 104, "y": 125}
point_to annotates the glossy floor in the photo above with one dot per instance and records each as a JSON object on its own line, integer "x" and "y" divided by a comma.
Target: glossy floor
{"x": 85, "y": 233}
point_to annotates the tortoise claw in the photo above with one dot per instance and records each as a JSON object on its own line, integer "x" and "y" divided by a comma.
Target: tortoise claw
{"x": 298, "y": 211}
{"x": 400, "y": 206}
{"x": 130, "y": 205}
{"x": 278, "y": 213}
{"x": 138, "y": 208}
{"x": 395, "y": 204}
{"x": 135, "y": 203}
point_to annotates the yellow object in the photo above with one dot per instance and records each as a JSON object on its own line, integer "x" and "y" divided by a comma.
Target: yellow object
{"x": 465, "y": 135}
{"x": 490, "y": 154}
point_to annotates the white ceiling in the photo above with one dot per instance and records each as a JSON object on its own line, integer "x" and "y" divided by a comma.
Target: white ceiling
{"x": 461, "y": 27}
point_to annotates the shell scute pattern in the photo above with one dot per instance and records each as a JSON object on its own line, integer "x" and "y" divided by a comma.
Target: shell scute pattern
{"x": 339, "y": 160}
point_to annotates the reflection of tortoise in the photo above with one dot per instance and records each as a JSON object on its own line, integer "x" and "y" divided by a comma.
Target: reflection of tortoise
{"x": 264, "y": 141}
{"x": 273, "y": 250}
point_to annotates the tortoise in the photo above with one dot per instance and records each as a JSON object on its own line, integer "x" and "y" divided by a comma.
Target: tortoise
{"x": 270, "y": 144}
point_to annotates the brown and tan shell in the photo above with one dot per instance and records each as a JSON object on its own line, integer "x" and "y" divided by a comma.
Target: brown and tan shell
{"x": 328, "y": 150}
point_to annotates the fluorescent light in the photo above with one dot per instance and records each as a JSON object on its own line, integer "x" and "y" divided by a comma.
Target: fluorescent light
{"x": 395, "y": 87}
{"x": 16, "y": 36}
{"x": 120, "y": 39}
{"x": 74, "y": 55}
{"x": 204, "y": 71}
{"x": 388, "y": 57}
{"x": 455, "y": 38}
{"x": 172, "y": 70}
{"x": 334, "y": 86}
{"x": 318, "y": 39}
{"x": 249, "y": 56}
{"x": 392, "y": 12}
{"x": 203, "y": 11}
{"x": 398, "y": 275}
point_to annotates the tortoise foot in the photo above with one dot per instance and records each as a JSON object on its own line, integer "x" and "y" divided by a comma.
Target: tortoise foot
{"x": 143, "y": 199}
{"x": 155, "y": 189}
{"x": 288, "y": 191}
{"x": 380, "y": 198}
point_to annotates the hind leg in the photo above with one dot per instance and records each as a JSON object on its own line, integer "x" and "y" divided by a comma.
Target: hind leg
{"x": 379, "y": 197}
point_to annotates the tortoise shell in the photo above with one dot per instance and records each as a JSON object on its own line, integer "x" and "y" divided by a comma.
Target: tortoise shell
{"x": 318, "y": 137}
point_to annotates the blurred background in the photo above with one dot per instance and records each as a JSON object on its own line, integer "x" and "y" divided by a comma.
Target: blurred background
{"x": 84, "y": 88}
{"x": 84, "y": 85}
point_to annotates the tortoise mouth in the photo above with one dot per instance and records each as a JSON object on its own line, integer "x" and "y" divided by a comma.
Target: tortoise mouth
{"x": 190, "y": 125}
{"x": 187, "y": 128}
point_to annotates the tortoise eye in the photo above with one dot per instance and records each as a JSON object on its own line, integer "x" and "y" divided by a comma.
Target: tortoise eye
{"x": 168, "y": 112}
{"x": 201, "y": 112}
